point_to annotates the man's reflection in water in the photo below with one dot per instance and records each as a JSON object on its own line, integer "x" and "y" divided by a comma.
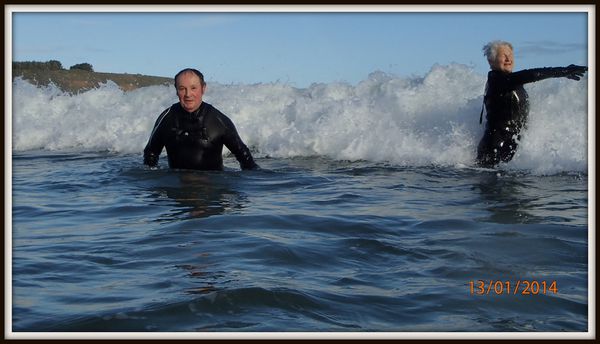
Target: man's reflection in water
{"x": 200, "y": 194}
{"x": 204, "y": 277}
{"x": 196, "y": 195}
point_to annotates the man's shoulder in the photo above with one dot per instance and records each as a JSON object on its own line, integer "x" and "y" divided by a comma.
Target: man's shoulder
{"x": 165, "y": 113}
{"x": 209, "y": 108}
{"x": 213, "y": 111}
{"x": 170, "y": 109}
{"x": 216, "y": 116}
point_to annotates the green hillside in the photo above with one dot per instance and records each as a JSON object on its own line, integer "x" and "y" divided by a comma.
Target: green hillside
{"x": 76, "y": 80}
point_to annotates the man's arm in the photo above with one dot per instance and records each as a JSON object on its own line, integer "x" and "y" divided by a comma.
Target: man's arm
{"x": 234, "y": 143}
{"x": 155, "y": 142}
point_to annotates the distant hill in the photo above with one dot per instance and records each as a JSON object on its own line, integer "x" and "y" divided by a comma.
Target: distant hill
{"x": 76, "y": 80}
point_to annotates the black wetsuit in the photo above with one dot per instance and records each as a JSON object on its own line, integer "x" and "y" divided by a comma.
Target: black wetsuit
{"x": 195, "y": 140}
{"x": 507, "y": 106}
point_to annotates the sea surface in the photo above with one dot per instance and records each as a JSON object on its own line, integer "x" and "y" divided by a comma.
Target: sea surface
{"x": 367, "y": 215}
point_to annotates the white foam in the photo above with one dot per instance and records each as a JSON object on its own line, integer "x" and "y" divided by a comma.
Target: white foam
{"x": 386, "y": 118}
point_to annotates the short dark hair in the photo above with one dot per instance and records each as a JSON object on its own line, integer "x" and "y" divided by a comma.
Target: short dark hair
{"x": 190, "y": 70}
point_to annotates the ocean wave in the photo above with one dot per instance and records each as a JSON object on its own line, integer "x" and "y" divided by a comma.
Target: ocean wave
{"x": 406, "y": 121}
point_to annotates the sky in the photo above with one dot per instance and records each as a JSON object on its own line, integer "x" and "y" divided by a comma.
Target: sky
{"x": 297, "y": 48}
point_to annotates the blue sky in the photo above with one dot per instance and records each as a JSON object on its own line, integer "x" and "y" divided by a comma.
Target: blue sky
{"x": 297, "y": 48}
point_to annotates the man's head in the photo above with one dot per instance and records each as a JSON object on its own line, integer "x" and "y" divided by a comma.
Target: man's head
{"x": 500, "y": 56}
{"x": 190, "y": 87}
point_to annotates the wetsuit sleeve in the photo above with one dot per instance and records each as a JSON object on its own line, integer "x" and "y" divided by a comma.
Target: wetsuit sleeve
{"x": 156, "y": 141}
{"x": 234, "y": 143}
{"x": 509, "y": 81}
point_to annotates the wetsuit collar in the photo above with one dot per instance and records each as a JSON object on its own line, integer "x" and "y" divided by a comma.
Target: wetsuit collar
{"x": 195, "y": 112}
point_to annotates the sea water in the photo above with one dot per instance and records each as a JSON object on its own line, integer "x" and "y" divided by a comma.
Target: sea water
{"x": 368, "y": 214}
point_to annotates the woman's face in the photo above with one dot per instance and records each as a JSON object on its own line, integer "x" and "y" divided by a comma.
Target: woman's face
{"x": 504, "y": 59}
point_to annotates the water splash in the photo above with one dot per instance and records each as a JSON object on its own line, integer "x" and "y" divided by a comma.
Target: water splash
{"x": 416, "y": 121}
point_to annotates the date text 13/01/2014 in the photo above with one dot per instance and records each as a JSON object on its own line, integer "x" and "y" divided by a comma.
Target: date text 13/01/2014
{"x": 523, "y": 287}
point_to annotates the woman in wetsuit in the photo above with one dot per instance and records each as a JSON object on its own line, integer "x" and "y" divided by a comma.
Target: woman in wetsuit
{"x": 506, "y": 102}
{"x": 194, "y": 132}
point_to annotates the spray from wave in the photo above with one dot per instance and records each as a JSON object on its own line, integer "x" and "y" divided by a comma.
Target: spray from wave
{"x": 407, "y": 121}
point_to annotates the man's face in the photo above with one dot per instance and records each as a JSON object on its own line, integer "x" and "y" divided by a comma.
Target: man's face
{"x": 504, "y": 60}
{"x": 190, "y": 91}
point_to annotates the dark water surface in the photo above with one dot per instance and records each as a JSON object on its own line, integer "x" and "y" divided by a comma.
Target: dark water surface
{"x": 101, "y": 243}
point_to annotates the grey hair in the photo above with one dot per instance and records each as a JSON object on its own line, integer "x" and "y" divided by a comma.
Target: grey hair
{"x": 490, "y": 50}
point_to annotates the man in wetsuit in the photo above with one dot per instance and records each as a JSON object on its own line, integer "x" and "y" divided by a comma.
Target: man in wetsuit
{"x": 506, "y": 102}
{"x": 194, "y": 132}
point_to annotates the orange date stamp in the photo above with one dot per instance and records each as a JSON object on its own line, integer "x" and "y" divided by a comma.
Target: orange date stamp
{"x": 518, "y": 287}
